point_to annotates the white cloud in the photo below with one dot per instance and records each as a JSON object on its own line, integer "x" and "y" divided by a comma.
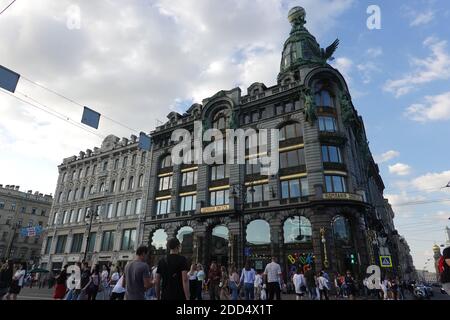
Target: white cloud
{"x": 400, "y": 169}
{"x": 132, "y": 62}
{"x": 344, "y": 65}
{"x": 399, "y": 200}
{"x": 389, "y": 155}
{"x": 422, "y": 18}
{"x": 374, "y": 52}
{"x": 434, "y": 67}
{"x": 431, "y": 182}
{"x": 435, "y": 108}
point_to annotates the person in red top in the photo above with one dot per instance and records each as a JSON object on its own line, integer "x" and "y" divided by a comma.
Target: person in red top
{"x": 214, "y": 276}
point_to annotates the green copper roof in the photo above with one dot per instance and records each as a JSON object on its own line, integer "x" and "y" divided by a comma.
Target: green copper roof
{"x": 301, "y": 48}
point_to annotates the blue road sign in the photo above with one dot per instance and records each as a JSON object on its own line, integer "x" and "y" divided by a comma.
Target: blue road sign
{"x": 90, "y": 118}
{"x": 8, "y": 79}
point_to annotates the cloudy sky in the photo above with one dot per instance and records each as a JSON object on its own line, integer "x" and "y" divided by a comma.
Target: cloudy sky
{"x": 136, "y": 60}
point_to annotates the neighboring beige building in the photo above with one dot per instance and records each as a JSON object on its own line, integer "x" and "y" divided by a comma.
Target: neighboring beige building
{"x": 19, "y": 210}
{"x": 111, "y": 181}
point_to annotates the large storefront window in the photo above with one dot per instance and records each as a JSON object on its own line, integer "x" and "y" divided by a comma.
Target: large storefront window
{"x": 257, "y": 249}
{"x": 341, "y": 230}
{"x": 159, "y": 240}
{"x": 258, "y": 232}
{"x": 294, "y": 188}
{"x": 219, "y": 245}
{"x": 297, "y": 230}
{"x": 186, "y": 237}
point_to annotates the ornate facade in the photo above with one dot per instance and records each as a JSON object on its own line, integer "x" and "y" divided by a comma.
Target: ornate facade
{"x": 108, "y": 185}
{"x": 325, "y": 207}
{"x": 19, "y": 210}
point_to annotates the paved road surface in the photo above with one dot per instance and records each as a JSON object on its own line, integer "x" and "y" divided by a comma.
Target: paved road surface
{"x": 47, "y": 294}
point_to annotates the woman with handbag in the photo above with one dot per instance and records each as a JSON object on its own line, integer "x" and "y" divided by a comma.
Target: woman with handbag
{"x": 17, "y": 282}
{"x": 299, "y": 283}
{"x": 223, "y": 285}
{"x": 61, "y": 288}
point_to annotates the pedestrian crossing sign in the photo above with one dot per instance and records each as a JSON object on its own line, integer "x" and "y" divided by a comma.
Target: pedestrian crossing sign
{"x": 386, "y": 261}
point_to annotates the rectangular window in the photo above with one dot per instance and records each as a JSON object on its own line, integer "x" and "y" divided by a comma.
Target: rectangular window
{"x": 109, "y": 213}
{"x": 218, "y": 198}
{"x": 246, "y": 118}
{"x": 163, "y": 206}
{"x": 33, "y": 210}
{"x": 331, "y": 154}
{"x": 128, "y": 239}
{"x": 77, "y": 242}
{"x": 165, "y": 183}
{"x": 138, "y": 206}
{"x": 66, "y": 217}
{"x": 294, "y": 188}
{"x": 116, "y": 164}
{"x": 48, "y": 245}
{"x": 327, "y": 124}
{"x": 13, "y": 206}
{"x": 189, "y": 178}
{"x": 107, "y": 241}
{"x": 133, "y": 159}
{"x": 258, "y": 193}
{"x": 73, "y": 216}
{"x": 128, "y": 207}
{"x": 188, "y": 203}
{"x": 80, "y": 215}
{"x": 125, "y": 160}
{"x": 61, "y": 244}
{"x": 23, "y": 210}
{"x": 92, "y": 238}
{"x": 289, "y": 107}
{"x": 118, "y": 209}
{"x": 251, "y": 168}
{"x": 292, "y": 158}
{"x": 255, "y": 116}
{"x": 335, "y": 184}
{"x": 219, "y": 172}
{"x": 105, "y": 165}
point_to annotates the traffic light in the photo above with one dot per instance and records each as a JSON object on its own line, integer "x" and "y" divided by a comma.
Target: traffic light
{"x": 352, "y": 259}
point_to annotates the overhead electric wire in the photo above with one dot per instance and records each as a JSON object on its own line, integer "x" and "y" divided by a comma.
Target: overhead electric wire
{"x": 9, "y": 5}
{"x": 420, "y": 202}
{"x": 53, "y": 113}
{"x": 75, "y": 102}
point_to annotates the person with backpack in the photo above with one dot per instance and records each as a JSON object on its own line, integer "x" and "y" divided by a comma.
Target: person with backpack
{"x": 173, "y": 271}
{"x": 444, "y": 269}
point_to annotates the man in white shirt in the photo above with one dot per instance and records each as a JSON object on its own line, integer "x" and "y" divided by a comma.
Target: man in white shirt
{"x": 273, "y": 279}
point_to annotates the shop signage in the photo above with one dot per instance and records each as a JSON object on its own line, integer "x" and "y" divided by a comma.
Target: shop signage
{"x": 342, "y": 196}
{"x": 215, "y": 209}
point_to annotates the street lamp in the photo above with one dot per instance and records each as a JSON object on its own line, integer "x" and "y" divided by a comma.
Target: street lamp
{"x": 240, "y": 192}
{"x": 90, "y": 216}
{"x": 16, "y": 225}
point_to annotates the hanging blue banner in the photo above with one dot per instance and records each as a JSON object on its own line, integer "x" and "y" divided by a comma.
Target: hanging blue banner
{"x": 8, "y": 79}
{"x": 31, "y": 231}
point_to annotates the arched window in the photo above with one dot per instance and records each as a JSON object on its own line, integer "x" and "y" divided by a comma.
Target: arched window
{"x": 220, "y": 232}
{"x": 258, "y": 232}
{"x": 131, "y": 183}
{"x": 91, "y": 189}
{"x": 341, "y": 230}
{"x": 102, "y": 187}
{"x": 290, "y": 131}
{"x": 322, "y": 96}
{"x": 297, "y": 230}
{"x": 64, "y": 177}
{"x": 221, "y": 119}
{"x": 141, "y": 181}
{"x": 122, "y": 184}
{"x": 166, "y": 162}
{"x": 113, "y": 186}
{"x": 186, "y": 237}
{"x": 159, "y": 240}
{"x": 69, "y": 195}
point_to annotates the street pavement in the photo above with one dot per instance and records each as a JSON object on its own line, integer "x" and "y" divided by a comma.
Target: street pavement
{"x": 47, "y": 294}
